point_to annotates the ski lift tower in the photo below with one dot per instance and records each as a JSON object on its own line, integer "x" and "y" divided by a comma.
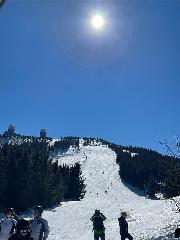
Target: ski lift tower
{"x": 43, "y": 133}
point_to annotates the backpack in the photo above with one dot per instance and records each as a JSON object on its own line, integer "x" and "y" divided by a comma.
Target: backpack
{"x": 98, "y": 223}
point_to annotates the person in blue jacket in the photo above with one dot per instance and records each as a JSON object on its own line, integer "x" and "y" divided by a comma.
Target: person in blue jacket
{"x": 38, "y": 225}
{"x": 8, "y": 224}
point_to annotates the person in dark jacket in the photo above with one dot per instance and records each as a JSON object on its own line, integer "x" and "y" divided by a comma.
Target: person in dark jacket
{"x": 177, "y": 233}
{"x": 98, "y": 226}
{"x": 22, "y": 231}
{"x": 124, "y": 227}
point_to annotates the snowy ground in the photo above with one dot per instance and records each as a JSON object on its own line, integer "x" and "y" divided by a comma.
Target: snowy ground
{"x": 149, "y": 219}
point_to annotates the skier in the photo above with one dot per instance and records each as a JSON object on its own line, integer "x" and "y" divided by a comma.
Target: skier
{"x": 39, "y": 226}
{"x": 124, "y": 227}
{"x": 8, "y": 224}
{"x": 98, "y": 226}
{"x": 22, "y": 231}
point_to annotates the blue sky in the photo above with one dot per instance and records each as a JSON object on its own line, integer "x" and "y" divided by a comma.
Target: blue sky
{"x": 121, "y": 84}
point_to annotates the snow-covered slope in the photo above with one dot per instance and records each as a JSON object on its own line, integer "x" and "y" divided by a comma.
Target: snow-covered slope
{"x": 148, "y": 219}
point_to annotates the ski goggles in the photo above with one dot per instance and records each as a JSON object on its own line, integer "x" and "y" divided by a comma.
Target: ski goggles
{"x": 24, "y": 231}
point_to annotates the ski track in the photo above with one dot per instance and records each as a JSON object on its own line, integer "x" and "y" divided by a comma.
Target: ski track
{"x": 148, "y": 219}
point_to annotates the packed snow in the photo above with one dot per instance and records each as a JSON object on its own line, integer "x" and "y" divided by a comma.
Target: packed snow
{"x": 148, "y": 219}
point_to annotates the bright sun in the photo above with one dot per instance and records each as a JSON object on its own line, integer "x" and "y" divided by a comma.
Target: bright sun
{"x": 98, "y": 22}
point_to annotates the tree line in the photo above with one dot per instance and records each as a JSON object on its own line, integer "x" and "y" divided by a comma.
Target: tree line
{"x": 29, "y": 176}
{"x": 148, "y": 170}
{"x": 65, "y": 143}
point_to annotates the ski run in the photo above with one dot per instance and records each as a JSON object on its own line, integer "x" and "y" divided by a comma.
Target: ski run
{"x": 148, "y": 219}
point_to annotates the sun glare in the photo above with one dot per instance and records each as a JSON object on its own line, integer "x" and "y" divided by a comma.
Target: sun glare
{"x": 98, "y": 22}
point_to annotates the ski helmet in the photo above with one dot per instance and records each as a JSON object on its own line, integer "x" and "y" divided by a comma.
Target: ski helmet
{"x": 97, "y": 211}
{"x": 38, "y": 210}
{"x": 123, "y": 213}
{"x": 23, "y": 224}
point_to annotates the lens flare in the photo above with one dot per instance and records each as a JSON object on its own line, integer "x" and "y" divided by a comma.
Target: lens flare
{"x": 98, "y": 22}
